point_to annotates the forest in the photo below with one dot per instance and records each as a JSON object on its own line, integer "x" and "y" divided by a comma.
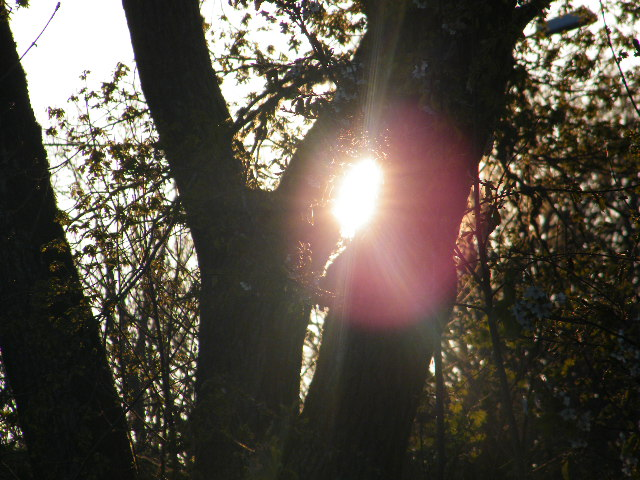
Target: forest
{"x": 179, "y": 301}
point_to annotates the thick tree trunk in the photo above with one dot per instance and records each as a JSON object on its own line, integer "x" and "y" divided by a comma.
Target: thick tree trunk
{"x": 439, "y": 71}
{"x": 396, "y": 282}
{"x": 359, "y": 411}
{"x": 252, "y": 318}
{"x": 73, "y": 423}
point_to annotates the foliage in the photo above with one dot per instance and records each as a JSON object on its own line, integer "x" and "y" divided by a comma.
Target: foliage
{"x": 135, "y": 258}
{"x": 560, "y": 194}
{"x": 288, "y": 82}
{"x": 548, "y": 253}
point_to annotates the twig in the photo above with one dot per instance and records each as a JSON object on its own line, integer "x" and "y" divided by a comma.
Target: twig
{"x": 440, "y": 425}
{"x": 487, "y": 290}
{"x": 615, "y": 58}
{"x": 12, "y": 67}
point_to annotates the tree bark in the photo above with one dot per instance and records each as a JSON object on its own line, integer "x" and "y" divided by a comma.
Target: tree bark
{"x": 434, "y": 80}
{"x": 253, "y": 315}
{"x": 439, "y": 71}
{"x": 73, "y": 423}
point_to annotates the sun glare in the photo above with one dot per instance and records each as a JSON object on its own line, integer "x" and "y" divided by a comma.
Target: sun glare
{"x": 355, "y": 202}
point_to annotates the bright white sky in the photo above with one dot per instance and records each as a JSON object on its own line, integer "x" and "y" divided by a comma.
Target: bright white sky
{"x": 93, "y": 35}
{"x": 83, "y": 35}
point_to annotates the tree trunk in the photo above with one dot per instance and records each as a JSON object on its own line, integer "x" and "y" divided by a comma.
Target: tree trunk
{"x": 397, "y": 283}
{"x": 436, "y": 76}
{"x": 73, "y": 423}
{"x": 438, "y": 71}
{"x": 252, "y": 316}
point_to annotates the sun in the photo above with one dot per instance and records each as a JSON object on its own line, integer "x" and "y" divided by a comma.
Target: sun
{"x": 357, "y": 194}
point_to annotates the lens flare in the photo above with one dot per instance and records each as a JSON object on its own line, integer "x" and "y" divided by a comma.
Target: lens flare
{"x": 355, "y": 203}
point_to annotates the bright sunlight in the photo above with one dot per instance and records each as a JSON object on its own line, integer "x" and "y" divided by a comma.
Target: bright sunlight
{"x": 355, "y": 202}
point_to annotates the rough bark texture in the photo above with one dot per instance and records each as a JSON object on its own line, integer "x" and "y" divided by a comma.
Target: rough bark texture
{"x": 73, "y": 423}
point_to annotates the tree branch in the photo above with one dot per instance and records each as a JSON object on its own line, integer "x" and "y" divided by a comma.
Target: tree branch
{"x": 526, "y": 13}
{"x": 188, "y": 109}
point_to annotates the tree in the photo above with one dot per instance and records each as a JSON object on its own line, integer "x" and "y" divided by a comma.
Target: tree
{"x": 423, "y": 91}
{"x": 553, "y": 289}
{"x": 68, "y": 408}
{"x": 251, "y": 367}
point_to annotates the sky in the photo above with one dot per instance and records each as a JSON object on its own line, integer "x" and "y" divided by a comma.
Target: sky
{"x": 83, "y": 35}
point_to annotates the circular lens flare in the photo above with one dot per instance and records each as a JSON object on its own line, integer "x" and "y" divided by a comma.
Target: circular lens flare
{"x": 355, "y": 203}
